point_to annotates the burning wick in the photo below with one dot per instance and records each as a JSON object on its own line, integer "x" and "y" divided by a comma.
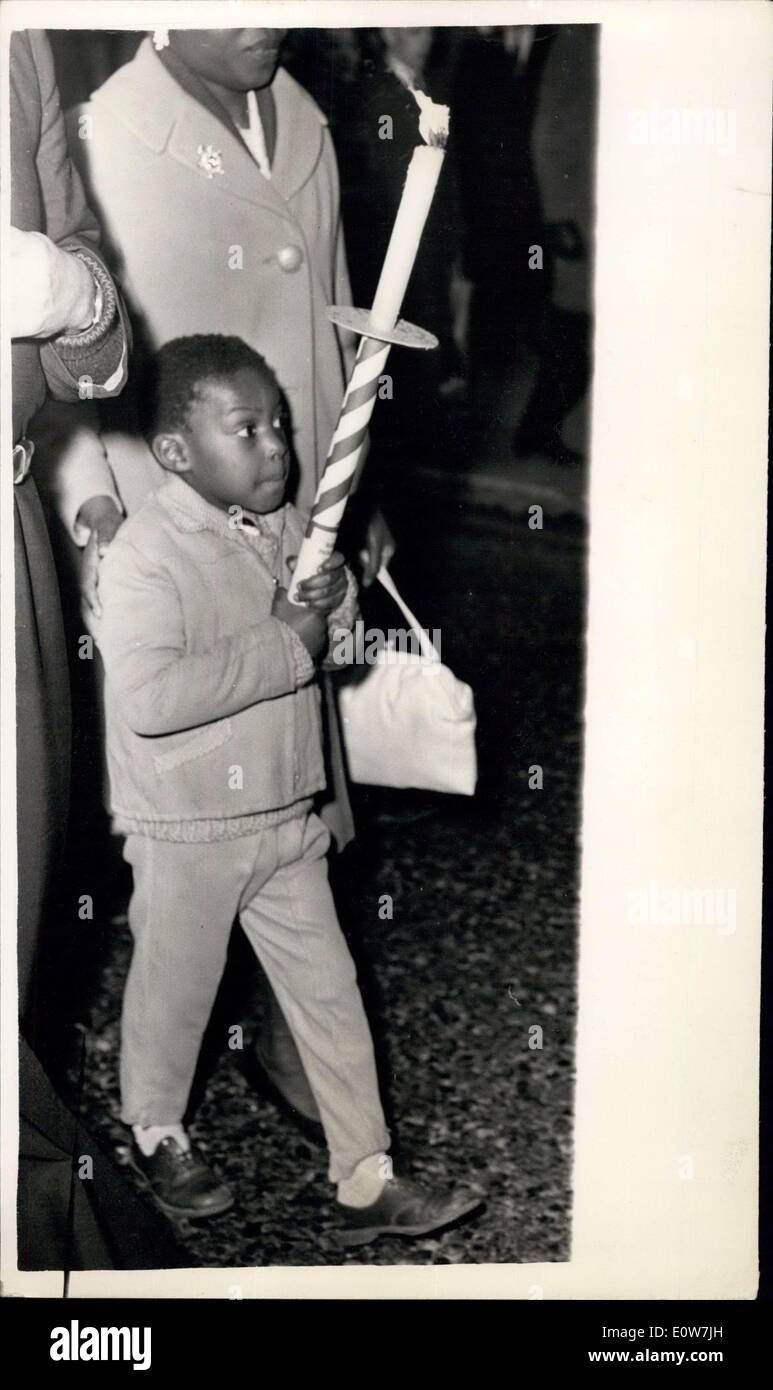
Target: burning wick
{"x": 433, "y": 119}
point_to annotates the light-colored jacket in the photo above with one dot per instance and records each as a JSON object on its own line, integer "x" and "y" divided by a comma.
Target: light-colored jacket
{"x": 212, "y": 709}
{"x": 203, "y": 243}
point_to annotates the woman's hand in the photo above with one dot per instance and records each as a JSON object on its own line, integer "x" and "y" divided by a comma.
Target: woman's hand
{"x": 103, "y": 518}
{"x": 379, "y": 547}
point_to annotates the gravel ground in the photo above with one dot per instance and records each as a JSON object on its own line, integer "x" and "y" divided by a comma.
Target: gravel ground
{"x": 482, "y": 945}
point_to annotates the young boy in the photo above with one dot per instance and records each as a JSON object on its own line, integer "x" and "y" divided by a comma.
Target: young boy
{"x": 215, "y": 754}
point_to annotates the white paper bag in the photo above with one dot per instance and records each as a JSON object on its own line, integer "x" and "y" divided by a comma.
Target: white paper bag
{"x": 410, "y": 722}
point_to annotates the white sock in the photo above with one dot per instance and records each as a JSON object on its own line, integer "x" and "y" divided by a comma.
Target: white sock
{"x": 366, "y": 1184}
{"x": 149, "y": 1136}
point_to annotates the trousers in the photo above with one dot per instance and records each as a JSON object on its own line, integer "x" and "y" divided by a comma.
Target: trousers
{"x": 185, "y": 899}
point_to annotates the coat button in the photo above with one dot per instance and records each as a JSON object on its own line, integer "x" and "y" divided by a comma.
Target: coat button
{"x": 290, "y": 258}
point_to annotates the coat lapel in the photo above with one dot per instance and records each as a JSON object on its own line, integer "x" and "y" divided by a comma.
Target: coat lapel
{"x": 148, "y": 99}
{"x": 300, "y": 132}
{"x": 219, "y": 157}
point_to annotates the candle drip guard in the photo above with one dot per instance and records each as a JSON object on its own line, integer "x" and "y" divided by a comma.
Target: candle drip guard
{"x": 404, "y": 334}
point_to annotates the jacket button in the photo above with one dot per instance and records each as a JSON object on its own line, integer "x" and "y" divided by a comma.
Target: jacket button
{"x": 290, "y": 258}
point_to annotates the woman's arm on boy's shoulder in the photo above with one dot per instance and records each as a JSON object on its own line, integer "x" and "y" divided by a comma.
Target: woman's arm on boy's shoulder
{"x": 161, "y": 687}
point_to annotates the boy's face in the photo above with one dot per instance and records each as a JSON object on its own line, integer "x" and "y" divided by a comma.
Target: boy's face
{"x": 232, "y": 450}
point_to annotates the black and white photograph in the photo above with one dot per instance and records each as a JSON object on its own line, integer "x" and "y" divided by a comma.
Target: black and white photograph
{"x": 305, "y": 354}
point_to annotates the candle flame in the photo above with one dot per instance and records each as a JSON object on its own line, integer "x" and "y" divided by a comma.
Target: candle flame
{"x": 433, "y": 119}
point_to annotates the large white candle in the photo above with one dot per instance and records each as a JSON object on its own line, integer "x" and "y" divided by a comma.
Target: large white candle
{"x": 360, "y": 397}
{"x": 419, "y": 190}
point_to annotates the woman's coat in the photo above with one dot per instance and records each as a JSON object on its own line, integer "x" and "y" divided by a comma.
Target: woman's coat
{"x": 203, "y": 243}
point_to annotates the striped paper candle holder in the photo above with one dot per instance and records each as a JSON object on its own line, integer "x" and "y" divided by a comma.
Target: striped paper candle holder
{"x": 350, "y": 432}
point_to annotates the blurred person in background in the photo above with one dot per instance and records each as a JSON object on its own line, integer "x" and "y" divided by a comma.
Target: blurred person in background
{"x": 326, "y": 63}
{"x": 495, "y": 91}
{"x": 513, "y": 249}
{"x": 375, "y": 139}
{"x": 85, "y": 58}
{"x": 554, "y": 423}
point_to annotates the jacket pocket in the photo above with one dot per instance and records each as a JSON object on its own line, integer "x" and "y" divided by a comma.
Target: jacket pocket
{"x": 202, "y": 742}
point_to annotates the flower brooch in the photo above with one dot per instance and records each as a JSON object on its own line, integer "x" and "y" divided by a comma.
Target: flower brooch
{"x": 210, "y": 160}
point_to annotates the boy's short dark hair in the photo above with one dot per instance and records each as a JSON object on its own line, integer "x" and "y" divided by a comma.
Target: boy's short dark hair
{"x": 177, "y": 372}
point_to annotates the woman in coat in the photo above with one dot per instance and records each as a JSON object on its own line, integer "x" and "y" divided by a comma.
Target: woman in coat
{"x": 205, "y": 241}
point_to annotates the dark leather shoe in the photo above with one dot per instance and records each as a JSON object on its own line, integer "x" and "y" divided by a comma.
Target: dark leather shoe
{"x": 404, "y": 1209}
{"x": 181, "y": 1182}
